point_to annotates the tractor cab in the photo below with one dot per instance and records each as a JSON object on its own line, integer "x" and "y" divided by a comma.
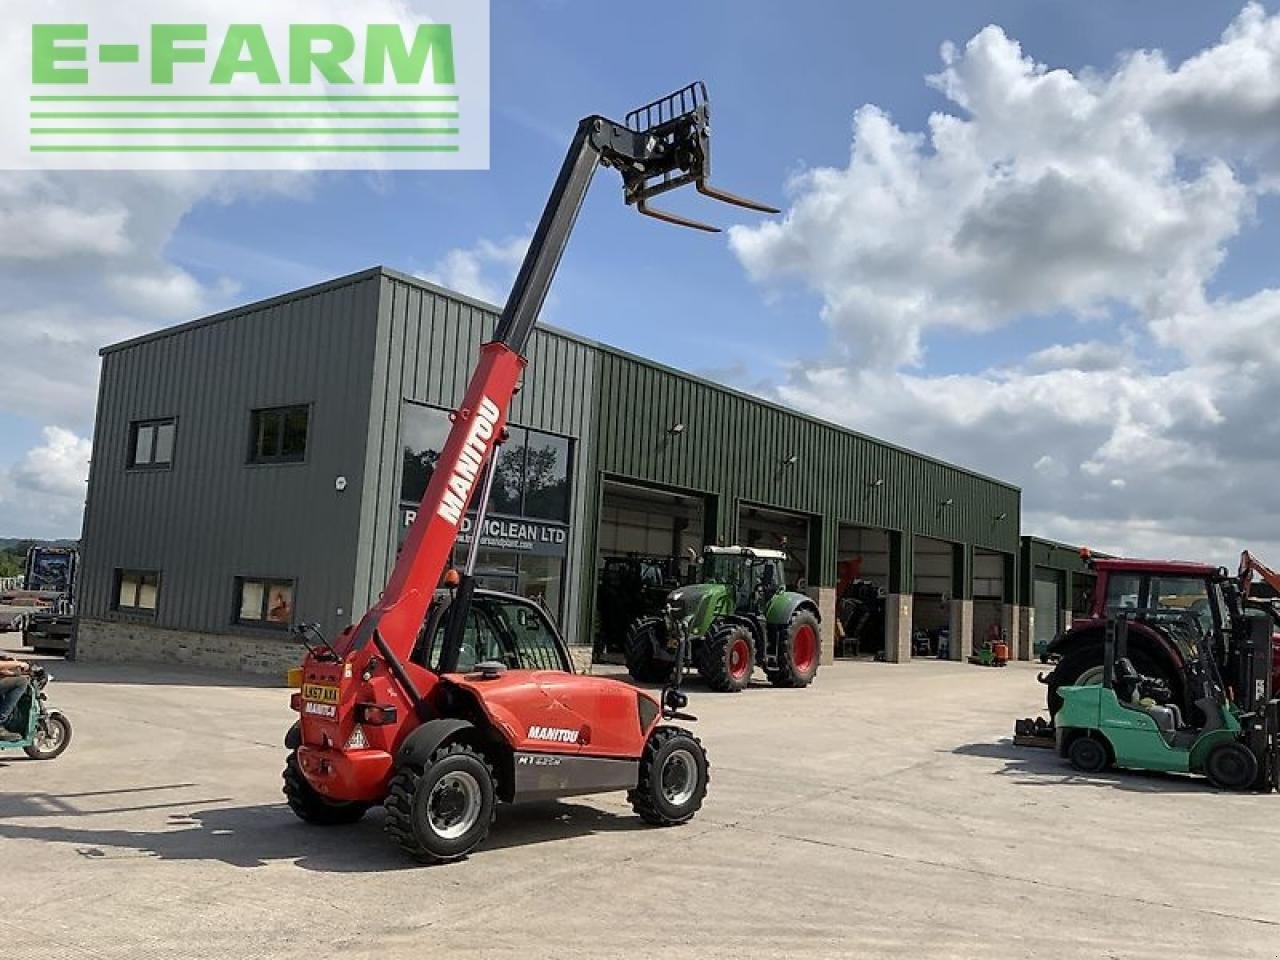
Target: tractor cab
{"x": 753, "y": 574}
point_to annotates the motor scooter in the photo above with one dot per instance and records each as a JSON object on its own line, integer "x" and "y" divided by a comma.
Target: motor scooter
{"x": 44, "y": 733}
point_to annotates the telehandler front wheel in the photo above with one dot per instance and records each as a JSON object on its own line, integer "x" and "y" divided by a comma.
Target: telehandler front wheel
{"x": 798, "y": 654}
{"x": 674, "y": 774}
{"x": 311, "y": 806}
{"x": 442, "y": 811}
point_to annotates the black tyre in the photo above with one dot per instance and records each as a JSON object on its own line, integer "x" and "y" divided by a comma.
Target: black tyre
{"x": 1082, "y": 666}
{"x": 442, "y": 812}
{"x": 1231, "y": 766}
{"x": 53, "y": 735}
{"x": 1088, "y": 755}
{"x": 674, "y": 773}
{"x": 313, "y": 807}
{"x": 640, "y": 646}
{"x": 798, "y": 655}
{"x": 726, "y": 658}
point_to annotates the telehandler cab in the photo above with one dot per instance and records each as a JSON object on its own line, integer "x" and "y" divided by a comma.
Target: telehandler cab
{"x": 1233, "y": 737}
{"x": 437, "y": 710}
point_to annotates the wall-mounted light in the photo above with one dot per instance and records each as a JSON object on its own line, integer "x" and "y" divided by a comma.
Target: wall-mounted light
{"x": 676, "y": 429}
{"x": 947, "y": 502}
{"x": 1000, "y": 516}
{"x": 791, "y": 460}
{"x": 877, "y": 482}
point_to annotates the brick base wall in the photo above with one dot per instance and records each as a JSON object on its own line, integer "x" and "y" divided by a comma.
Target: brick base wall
{"x": 122, "y": 642}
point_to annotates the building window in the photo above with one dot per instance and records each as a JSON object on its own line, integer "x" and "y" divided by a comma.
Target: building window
{"x": 151, "y": 444}
{"x": 264, "y": 603}
{"x": 137, "y": 590}
{"x": 279, "y": 435}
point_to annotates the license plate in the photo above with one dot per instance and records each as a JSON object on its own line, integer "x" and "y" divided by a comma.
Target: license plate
{"x": 319, "y": 693}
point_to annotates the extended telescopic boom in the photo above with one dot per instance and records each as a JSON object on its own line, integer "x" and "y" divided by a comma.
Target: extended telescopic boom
{"x": 663, "y": 145}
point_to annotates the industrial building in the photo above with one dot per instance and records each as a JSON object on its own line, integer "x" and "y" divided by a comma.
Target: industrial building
{"x": 260, "y": 467}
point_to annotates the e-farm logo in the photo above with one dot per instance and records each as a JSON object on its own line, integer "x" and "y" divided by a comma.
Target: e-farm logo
{"x": 148, "y": 88}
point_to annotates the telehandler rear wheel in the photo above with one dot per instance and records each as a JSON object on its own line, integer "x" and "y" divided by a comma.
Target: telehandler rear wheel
{"x": 673, "y": 778}
{"x": 798, "y": 656}
{"x": 312, "y": 807}
{"x": 443, "y": 811}
{"x": 726, "y": 658}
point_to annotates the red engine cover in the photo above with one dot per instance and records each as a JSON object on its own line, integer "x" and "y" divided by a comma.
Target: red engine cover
{"x": 553, "y": 712}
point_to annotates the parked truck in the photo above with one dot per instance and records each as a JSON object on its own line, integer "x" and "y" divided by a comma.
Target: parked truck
{"x": 50, "y": 582}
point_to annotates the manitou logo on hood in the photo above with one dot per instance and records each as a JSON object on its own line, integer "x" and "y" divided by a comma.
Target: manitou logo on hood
{"x": 484, "y": 422}
{"x": 555, "y": 734}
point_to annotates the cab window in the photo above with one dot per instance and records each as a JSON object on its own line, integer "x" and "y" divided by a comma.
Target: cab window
{"x": 509, "y": 632}
{"x": 1123, "y": 592}
{"x": 1182, "y": 598}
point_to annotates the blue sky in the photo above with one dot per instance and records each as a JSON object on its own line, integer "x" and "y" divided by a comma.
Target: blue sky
{"x": 785, "y": 82}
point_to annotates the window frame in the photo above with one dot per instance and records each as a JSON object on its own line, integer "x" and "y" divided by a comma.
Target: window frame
{"x": 254, "y": 459}
{"x": 123, "y": 573}
{"x": 135, "y": 426}
{"x": 268, "y": 583}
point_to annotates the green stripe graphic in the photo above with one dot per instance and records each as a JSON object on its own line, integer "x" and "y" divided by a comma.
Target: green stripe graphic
{"x": 48, "y": 98}
{"x": 250, "y": 131}
{"x": 327, "y": 115}
{"x": 245, "y": 148}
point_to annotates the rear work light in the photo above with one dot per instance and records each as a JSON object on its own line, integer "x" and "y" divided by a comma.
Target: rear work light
{"x": 295, "y": 702}
{"x": 375, "y": 714}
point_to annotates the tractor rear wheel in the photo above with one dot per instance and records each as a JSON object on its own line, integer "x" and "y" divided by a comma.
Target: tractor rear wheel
{"x": 674, "y": 773}
{"x": 443, "y": 811}
{"x": 310, "y": 805}
{"x": 798, "y": 655}
{"x": 640, "y": 648}
{"x": 726, "y": 658}
{"x": 1231, "y": 766}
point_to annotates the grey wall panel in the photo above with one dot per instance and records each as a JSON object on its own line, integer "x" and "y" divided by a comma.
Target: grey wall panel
{"x": 213, "y": 517}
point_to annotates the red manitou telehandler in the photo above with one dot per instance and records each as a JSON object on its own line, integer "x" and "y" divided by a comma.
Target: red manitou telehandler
{"x": 440, "y": 703}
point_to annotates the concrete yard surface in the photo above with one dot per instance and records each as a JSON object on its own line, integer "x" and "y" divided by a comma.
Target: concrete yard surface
{"x": 880, "y": 813}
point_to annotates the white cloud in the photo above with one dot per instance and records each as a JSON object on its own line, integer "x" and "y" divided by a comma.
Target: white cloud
{"x": 484, "y": 271}
{"x": 42, "y": 495}
{"x": 1108, "y": 199}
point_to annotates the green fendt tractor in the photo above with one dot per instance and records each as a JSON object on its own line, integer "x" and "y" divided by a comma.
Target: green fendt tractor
{"x": 737, "y": 616}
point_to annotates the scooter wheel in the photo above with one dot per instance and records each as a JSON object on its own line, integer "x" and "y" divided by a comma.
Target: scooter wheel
{"x": 52, "y": 736}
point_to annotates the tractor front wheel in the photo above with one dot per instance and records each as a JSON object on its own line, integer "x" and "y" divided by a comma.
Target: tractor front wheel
{"x": 443, "y": 811}
{"x": 641, "y": 650}
{"x": 726, "y": 658}
{"x": 310, "y": 805}
{"x": 674, "y": 773}
{"x": 798, "y": 655}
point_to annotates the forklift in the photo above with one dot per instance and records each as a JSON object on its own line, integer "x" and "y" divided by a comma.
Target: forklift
{"x": 437, "y": 714}
{"x": 1232, "y": 736}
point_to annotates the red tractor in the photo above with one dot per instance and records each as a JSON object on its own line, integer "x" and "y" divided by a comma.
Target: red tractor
{"x": 437, "y": 705}
{"x": 1158, "y": 593}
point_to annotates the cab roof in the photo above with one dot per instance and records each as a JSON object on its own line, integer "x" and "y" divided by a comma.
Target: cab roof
{"x": 759, "y": 552}
{"x": 1176, "y": 567}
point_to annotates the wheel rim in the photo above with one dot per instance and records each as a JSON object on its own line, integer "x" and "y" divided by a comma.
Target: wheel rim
{"x": 739, "y": 659}
{"x": 454, "y": 805}
{"x": 1090, "y": 754}
{"x": 679, "y": 777}
{"x": 1089, "y": 678}
{"x": 804, "y": 649}
{"x": 48, "y": 737}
